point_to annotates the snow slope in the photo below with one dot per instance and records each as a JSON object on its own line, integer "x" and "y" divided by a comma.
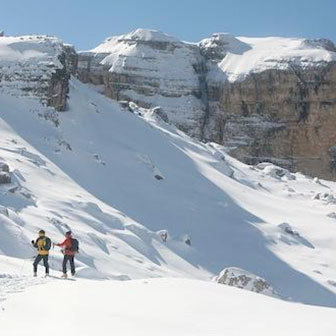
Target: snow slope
{"x": 159, "y": 307}
{"x": 92, "y": 169}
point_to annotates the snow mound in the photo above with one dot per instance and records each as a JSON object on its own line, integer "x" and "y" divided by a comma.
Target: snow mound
{"x": 237, "y": 277}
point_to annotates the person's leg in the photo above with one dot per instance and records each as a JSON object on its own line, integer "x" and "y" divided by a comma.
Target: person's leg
{"x": 36, "y": 262}
{"x": 72, "y": 265}
{"x": 46, "y": 264}
{"x": 65, "y": 260}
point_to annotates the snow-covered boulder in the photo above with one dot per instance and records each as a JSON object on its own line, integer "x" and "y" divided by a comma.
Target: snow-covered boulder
{"x": 237, "y": 277}
{"x": 332, "y": 215}
{"x": 5, "y": 177}
{"x": 288, "y": 229}
{"x": 163, "y": 234}
{"x": 274, "y": 171}
{"x": 325, "y": 197}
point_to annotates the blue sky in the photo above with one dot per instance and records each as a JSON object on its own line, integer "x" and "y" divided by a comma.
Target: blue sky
{"x": 85, "y": 23}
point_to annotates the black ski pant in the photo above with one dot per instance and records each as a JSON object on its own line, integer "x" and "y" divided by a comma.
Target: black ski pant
{"x": 45, "y": 262}
{"x": 71, "y": 259}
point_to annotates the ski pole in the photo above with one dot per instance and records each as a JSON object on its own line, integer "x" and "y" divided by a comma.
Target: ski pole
{"x": 22, "y": 268}
{"x": 52, "y": 256}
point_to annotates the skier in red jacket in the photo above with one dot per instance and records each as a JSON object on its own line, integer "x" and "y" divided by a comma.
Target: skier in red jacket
{"x": 69, "y": 249}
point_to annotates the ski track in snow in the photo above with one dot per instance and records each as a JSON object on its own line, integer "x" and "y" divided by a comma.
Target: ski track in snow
{"x": 12, "y": 284}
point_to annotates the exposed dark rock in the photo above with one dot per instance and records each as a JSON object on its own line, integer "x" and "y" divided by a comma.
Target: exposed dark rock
{"x": 5, "y": 177}
{"x": 58, "y": 87}
{"x": 236, "y": 277}
{"x": 4, "y": 167}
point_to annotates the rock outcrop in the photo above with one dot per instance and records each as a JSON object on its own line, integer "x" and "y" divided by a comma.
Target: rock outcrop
{"x": 266, "y": 99}
{"x": 236, "y": 277}
{"x": 38, "y": 66}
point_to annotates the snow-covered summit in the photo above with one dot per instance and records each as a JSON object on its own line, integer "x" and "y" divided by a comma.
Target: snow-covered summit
{"x": 35, "y": 49}
{"x": 139, "y": 35}
{"x": 268, "y": 53}
{"x": 150, "y": 68}
{"x": 237, "y": 57}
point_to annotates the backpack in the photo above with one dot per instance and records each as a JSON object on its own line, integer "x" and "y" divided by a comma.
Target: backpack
{"x": 74, "y": 245}
{"x": 47, "y": 244}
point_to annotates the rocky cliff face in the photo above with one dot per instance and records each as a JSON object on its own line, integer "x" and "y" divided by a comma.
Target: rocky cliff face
{"x": 283, "y": 116}
{"x": 266, "y": 99}
{"x": 276, "y": 105}
{"x": 150, "y": 69}
{"x": 37, "y": 66}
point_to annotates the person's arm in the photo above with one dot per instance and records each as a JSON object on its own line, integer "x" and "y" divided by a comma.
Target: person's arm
{"x": 35, "y": 242}
{"x": 62, "y": 244}
{"x": 48, "y": 244}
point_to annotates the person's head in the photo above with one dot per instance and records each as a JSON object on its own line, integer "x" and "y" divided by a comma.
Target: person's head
{"x": 68, "y": 234}
{"x": 41, "y": 233}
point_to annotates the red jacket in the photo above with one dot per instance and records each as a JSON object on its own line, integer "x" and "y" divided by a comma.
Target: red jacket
{"x": 67, "y": 245}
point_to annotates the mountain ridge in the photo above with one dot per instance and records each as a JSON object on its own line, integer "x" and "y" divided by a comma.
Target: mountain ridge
{"x": 253, "y": 95}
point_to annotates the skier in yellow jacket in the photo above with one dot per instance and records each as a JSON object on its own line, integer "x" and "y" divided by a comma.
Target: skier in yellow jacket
{"x": 43, "y": 245}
